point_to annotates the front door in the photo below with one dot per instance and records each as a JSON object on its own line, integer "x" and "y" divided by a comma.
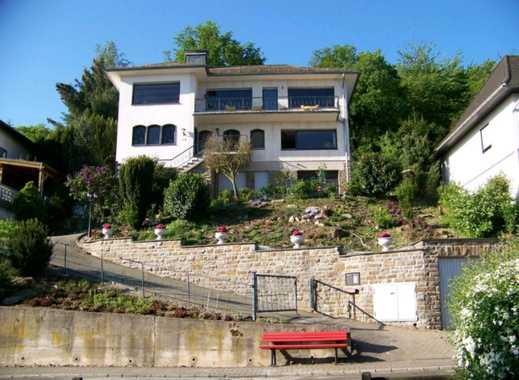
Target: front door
{"x": 201, "y": 141}
{"x": 449, "y": 269}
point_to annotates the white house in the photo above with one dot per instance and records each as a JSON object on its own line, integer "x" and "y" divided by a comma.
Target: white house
{"x": 296, "y": 118}
{"x": 485, "y": 141}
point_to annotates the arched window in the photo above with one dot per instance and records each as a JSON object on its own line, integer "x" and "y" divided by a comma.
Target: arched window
{"x": 257, "y": 139}
{"x": 232, "y": 137}
{"x": 153, "y": 135}
{"x": 168, "y": 134}
{"x": 139, "y": 135}
{"x": 203, "y": 137}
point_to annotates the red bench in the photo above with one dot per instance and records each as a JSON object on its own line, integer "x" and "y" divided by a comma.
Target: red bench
{"x": 304, "y": 340}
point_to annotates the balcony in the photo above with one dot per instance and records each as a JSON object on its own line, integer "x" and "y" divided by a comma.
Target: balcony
{"x": 295, "y": 108}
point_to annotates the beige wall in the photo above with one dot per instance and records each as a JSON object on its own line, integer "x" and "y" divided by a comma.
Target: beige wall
{"x": 227, "y": 267}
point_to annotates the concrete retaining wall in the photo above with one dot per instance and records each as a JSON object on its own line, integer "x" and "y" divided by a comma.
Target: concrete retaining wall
{"x": 44, "y": 336}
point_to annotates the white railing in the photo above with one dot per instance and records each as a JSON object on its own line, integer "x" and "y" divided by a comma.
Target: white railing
{"x": 7, "y": 194}
{"x": 179, "y": 159}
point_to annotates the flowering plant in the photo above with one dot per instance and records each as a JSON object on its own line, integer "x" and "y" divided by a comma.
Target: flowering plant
{"x": 296, "y": 232}
{"x": 384, "y": 234}
{"x": 221, "y": 229}
{"x": 107, "y": 226}
{"x": 485, "y": 308}
{"x": 160, "y": 226}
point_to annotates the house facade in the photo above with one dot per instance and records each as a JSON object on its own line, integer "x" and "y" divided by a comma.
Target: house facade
{"x": 295, "y": 118}
{"x": 485, "y": 141}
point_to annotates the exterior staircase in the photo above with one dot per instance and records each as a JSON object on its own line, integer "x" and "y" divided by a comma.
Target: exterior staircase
{"x": 190, "y": 164}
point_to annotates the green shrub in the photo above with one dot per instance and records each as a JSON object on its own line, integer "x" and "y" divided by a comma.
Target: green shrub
{"x": 136, "y": 186}
{"x": 486, "y": 213}
{"x": 29, "y": 248}
{"x": 483, "y": 303}
{"x": 183, "y": 230}
{"x": 162, "y": 176}
{"x": 187, "y": 197}
{"x": 373, "y": 174}
{"x": 302, "y": 189}
{"x": 29, "y": 203}
{"x": 406, "y": 193}
{"x": 7, "y": 272}
{"x": 383, "y": 218}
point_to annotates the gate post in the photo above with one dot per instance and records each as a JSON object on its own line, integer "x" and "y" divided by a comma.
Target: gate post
{"x": 254, "y": 286}
{"x": 313, "y": 295}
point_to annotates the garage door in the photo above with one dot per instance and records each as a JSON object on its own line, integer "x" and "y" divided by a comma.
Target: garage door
{"x": 449, "y": 269}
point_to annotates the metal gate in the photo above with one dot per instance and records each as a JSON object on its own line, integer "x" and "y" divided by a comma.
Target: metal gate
{"x": 449, "y": 268}
{"x": 273, "y": 293}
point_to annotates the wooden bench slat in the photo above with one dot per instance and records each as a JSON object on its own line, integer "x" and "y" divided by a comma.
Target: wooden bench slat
{"x": 303, "y": 346}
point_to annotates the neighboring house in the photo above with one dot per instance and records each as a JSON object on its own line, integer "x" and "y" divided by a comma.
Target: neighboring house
{"x": 485, "y": 141}
{"x": 17, "y": 166}
{"x": 296, "y": 118}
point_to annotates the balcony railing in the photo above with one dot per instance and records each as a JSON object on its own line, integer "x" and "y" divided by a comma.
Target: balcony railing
{"x": 217, "y": 103}
{"x": 230, "y": 104}
{"x": 323, "y": 101}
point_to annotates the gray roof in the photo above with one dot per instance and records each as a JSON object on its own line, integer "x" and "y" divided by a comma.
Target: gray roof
{"x": 16, "y": 135}
{"x": 240, "y": 70}
{"x": 503, "y": 81}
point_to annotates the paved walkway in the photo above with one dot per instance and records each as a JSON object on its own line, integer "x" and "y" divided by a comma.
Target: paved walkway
{"x": 376, "y": 345}
{"x": 403, "y": 369}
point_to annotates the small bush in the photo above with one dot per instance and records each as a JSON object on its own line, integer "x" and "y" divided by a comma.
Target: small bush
{"x": 373, "y": 174}
{"x": 486, "y": 213}
{"x": 484, "y": 301}
{"x": 29, "y": 248}
{"x": 7, "y": 272}
{"x": 187, "y": 197}
{"x": 29, "y": 204}
{"x": 406, "y": 194}
{"x": 383, "y": 218}
{"x": 136, "y": 185}
{"x": 181, "y": 230}
{"x": 302, "y": 189}
{"x": 162, "y": 176}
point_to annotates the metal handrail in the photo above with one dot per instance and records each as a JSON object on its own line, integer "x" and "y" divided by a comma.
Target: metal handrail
{"x": 180, "y": 158}
{"x": 7, "y": 194}
{"x": 258, "y": 103}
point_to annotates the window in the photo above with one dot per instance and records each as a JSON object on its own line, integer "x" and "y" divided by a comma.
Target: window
{"x": 153, "y": 135}
{"x": 232, "y": 137}
{"x": 156, "y": 93}
{"x": 3, "y": 152}
{"x": 139, "y": 135}
{"x": 257, "y": 139}
{"x": 168, "y": 134}
{"x": 229, "y": 100}
{"x": 270, "y": 98}
{"x": 485, "y": 139}
{"x": 312, "y": 139}
{"x": 203, "y": 138}
{"x": 322, "y": 97}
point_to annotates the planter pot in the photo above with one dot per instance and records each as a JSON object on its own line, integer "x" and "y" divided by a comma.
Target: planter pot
{"x": 107, "y": 233}
{"x": 385, "y": 243}
{"x": 297, "y": 240}
{"x": 159, "y": 232}
{"x": 220, "y": 237}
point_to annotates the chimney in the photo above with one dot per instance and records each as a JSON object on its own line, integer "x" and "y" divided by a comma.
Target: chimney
{"x": 196, "y": 57}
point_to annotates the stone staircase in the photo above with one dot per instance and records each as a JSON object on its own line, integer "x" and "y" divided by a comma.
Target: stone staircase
{"x": 190, "y": 164}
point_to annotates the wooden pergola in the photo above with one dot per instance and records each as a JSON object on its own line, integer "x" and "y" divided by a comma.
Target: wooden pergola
{"x": 15, "y": 173}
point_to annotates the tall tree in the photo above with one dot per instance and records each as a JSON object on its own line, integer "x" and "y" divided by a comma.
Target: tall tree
{"x": 436, "y": 90}
{"x": 477, "y": 75}
{"x": 35, "y": 133}
{"x": 222, "y": 48}
{"x": 90, "y": 124}
{"x": 378, "y": 104}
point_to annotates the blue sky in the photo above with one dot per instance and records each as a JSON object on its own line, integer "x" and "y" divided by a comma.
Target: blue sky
{"x": 45, "y": 42}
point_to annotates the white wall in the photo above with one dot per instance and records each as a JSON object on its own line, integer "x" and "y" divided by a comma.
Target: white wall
{"x": 469, "y": 166}
{"x": 14, "y": 149}
{"x": 180, "y": 114}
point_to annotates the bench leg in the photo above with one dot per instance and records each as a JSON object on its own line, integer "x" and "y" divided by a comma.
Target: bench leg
{"x": 273, "y": 358}
{"x": 336, "y": 356}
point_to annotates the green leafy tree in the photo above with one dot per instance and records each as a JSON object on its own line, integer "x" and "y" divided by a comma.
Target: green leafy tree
{"x": 29, "y": 203}
{"x": 35, "y": 133}
{"x": 222, "y": 48}
{"x": 187, "y": 197}
{"x": 378, "y": 103}
{"x": 477, "y": 75}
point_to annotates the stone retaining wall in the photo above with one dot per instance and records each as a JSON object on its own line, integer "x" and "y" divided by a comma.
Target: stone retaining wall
{"x": 227, "y": 267}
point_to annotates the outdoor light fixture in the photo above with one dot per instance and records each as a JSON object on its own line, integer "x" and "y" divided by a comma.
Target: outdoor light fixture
{"x": 353, "y": 278}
